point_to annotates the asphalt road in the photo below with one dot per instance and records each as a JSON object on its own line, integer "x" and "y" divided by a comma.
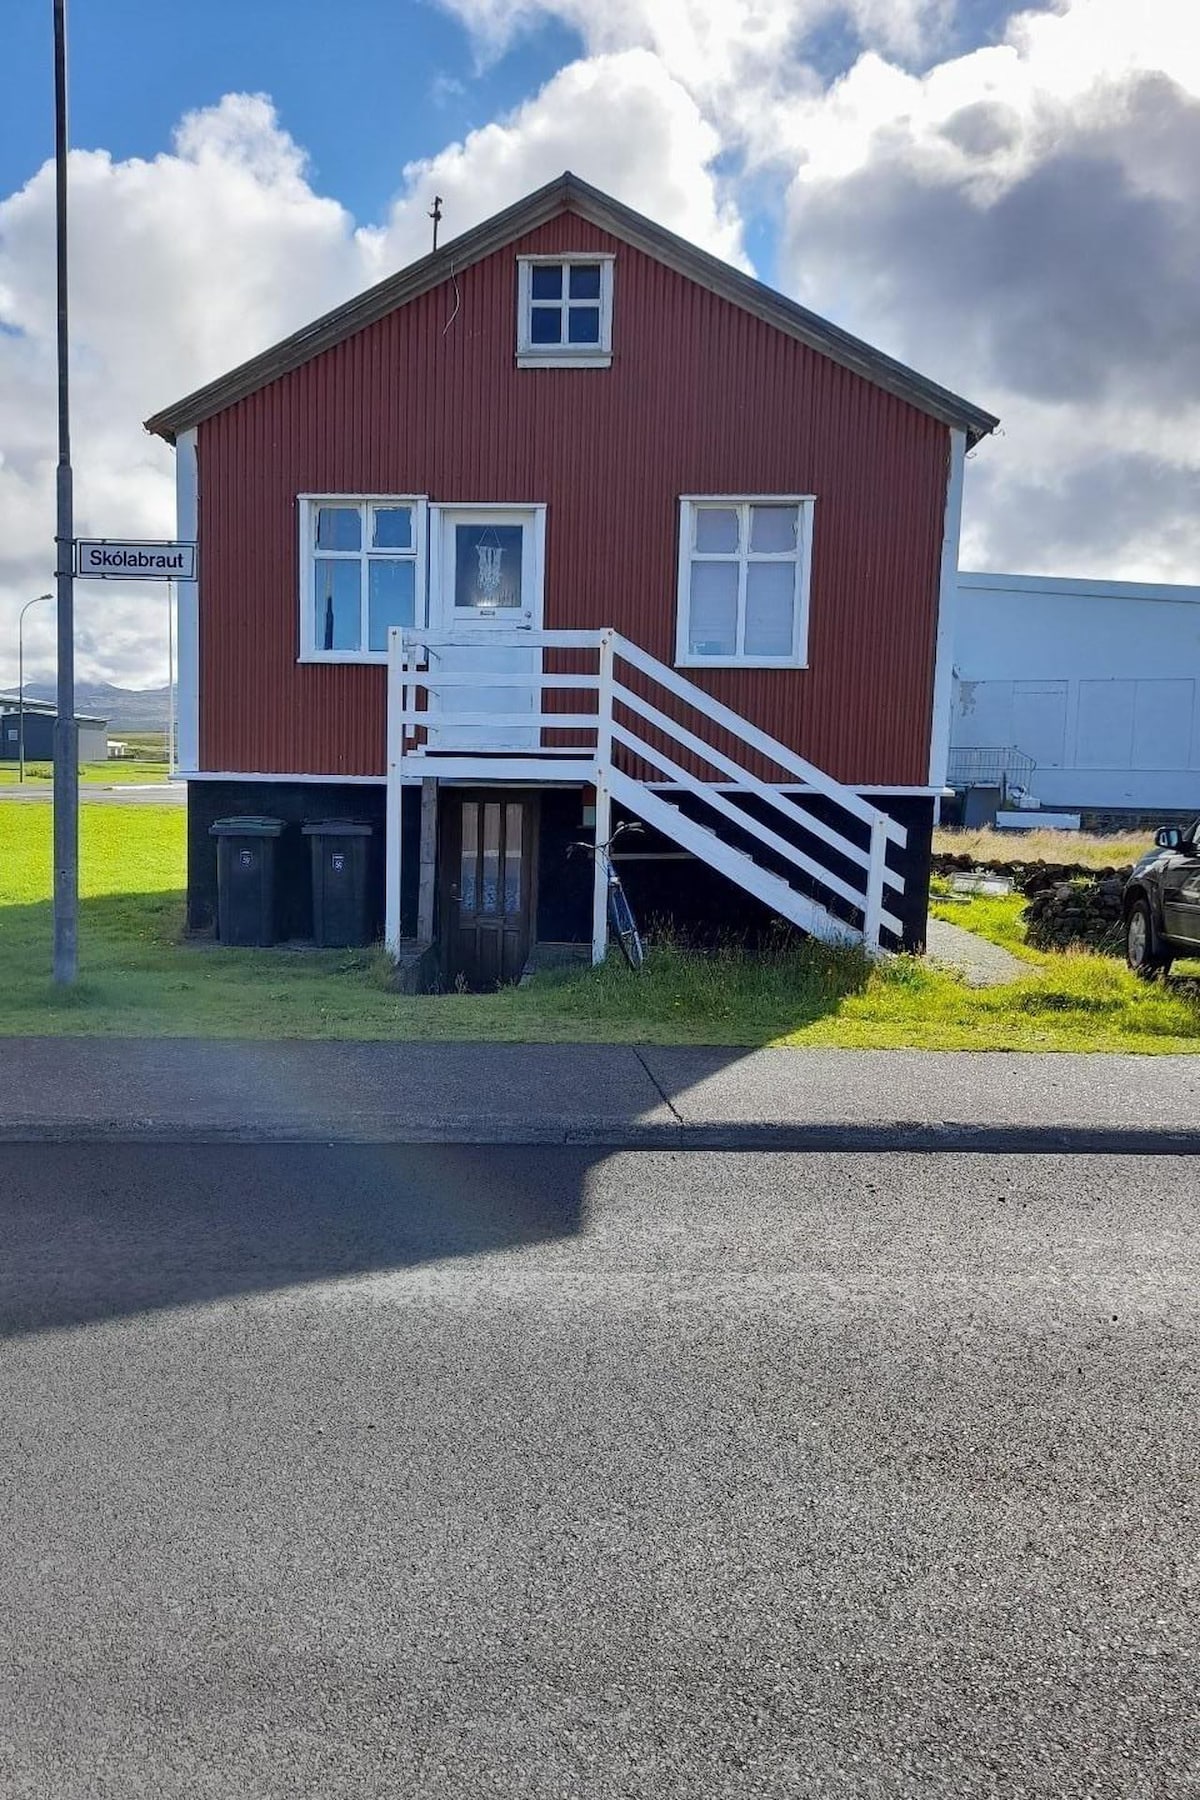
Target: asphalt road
{"x": 135, "y": 793}
{"x": 550, "y": 1472}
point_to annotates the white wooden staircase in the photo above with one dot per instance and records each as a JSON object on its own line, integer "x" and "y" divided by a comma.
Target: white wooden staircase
{"x": 655, "y": 744}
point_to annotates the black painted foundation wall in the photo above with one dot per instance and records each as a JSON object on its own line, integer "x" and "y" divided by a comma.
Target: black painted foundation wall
{"x": 298, "y": 803}
{"x": 695, "y": 898}
{"x": 564, "y": 896}
{"x": 684, "y": 893}
{"x": 669, "y": 887}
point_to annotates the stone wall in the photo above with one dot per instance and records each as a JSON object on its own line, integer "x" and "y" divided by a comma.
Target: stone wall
{"x": 1087, "y": 912}
{"x": 1068, "y": 904}
{"x": 1029, "y": 877}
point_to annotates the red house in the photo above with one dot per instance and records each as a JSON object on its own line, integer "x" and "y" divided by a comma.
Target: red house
{"x": 571, "y": 521}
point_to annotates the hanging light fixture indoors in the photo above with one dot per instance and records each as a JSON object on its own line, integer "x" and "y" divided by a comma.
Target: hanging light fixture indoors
{"x": 491, "y": 554}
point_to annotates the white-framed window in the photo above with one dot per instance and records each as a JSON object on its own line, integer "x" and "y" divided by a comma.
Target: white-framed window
{"x": 362, "y": 570}
{"x": 743, "y": 581}
{"x": 564, "y": 311}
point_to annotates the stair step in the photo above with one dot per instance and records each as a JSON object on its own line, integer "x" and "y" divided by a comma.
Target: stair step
{"x": 808, "y": 914}
{"x": 671, "y": 807}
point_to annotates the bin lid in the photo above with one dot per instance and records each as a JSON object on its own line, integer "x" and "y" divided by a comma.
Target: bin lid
{"x": 246, "y": 827}
{"x": 337, "y": 828}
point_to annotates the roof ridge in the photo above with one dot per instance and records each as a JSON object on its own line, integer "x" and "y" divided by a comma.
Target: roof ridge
{"x": 569, "y": 192}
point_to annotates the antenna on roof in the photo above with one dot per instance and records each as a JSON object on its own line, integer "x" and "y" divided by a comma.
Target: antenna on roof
{"x": 435, "y": 213}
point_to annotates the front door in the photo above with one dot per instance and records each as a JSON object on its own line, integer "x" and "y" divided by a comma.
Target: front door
{"x": 486, "y": 581}
{"x": 487, "y": 843}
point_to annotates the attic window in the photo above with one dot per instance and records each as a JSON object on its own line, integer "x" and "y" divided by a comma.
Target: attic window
{"x": 564, "y": 312}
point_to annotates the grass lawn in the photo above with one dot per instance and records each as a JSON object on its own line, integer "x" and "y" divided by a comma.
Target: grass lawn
{"x": 150, "y": 744}
{"x": 1086, "y": 848}
{"x": 119, "y": 772}
{"x": 138, "y": 977}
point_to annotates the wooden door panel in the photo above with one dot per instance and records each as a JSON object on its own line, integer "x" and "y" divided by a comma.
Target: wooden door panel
{"x": 487, "y": 882}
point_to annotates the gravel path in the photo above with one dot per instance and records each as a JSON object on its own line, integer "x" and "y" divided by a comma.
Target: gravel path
{"x": 979, "y": 963}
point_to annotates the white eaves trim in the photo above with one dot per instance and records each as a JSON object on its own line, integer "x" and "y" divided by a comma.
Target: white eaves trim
{"x": 279, "y": 778}
{"x": 380, "y": 780}
{"x": 943, "y": 666}
{"x": 187, "y": 604}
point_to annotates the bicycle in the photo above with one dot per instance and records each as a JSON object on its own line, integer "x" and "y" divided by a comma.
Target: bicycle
{"x": 620, "y": 915}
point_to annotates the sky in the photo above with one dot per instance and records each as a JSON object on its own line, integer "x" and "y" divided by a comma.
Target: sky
{"x": 1006, "y": 198}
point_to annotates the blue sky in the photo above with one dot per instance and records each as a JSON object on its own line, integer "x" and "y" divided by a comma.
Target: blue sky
{"x": 364, "y": 85}
{"x": 1006, "y": 197}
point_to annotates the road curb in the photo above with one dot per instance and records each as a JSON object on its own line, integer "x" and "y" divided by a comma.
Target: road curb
{"x": 870, "y": 1136}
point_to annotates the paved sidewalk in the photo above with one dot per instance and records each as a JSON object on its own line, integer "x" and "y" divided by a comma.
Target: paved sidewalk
{"x": 133, "y": 793}
{"x": 63, "y": 1089}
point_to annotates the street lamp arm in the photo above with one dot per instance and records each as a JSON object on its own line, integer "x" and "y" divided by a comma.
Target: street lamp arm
{"x": 32, "y": 602}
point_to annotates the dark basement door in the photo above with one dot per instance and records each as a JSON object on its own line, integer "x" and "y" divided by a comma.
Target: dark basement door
{"x": 487, "y": 886}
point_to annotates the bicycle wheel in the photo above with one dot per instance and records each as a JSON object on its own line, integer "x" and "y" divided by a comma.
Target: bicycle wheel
{"x": 624, "y": 929}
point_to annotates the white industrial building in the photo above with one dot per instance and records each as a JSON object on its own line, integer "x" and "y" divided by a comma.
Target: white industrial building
{"x": 1086, "y": 693}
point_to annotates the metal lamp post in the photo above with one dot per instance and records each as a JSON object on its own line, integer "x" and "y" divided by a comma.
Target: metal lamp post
{"x": 66, "y": 745}
{"x": 21, "y": 681}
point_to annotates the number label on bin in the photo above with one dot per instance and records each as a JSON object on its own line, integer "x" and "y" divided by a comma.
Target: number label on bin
{"x": 337, "y": 862}
{"x": 245, "y": 859}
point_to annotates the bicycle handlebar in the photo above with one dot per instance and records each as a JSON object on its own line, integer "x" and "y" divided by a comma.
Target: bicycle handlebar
{"x": 595, "y": 849}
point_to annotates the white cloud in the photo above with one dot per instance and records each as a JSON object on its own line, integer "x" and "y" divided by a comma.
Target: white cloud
{"x": 185, "y": 265}
{"x": 1020, "y": 223}
{"x": 1017, "y": 221}
{"x": 707, "y": 43}
{"x": 180, "y": 268}
{"x": 740, "y": 60}
{"x": 619, "y": 121}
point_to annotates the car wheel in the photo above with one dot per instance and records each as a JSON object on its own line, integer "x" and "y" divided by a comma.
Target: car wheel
{"x": 1140, "y": 952}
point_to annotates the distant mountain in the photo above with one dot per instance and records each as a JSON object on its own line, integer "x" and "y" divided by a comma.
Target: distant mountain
{"x": 126, "y": 709}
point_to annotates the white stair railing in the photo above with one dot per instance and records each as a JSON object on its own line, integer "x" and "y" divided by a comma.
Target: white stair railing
{"x": 627, "y": 728}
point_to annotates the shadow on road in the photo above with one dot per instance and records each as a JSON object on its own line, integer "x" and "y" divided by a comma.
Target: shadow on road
{"x": 90, "y": 1233}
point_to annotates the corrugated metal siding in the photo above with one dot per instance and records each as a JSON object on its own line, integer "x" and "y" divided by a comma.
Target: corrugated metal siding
{"x": 701, "y": 398}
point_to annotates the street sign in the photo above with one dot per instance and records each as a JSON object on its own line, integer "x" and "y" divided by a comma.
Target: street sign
{"x": 134, "y": 559}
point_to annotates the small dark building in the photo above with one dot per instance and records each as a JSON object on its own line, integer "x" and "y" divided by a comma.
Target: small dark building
{"x": 39, "y": 733}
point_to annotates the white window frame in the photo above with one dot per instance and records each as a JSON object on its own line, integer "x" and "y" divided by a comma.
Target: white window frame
{"x": 563, "y": 356}
{"x": 689, "y": 506}
{"x": 310, "y": 651}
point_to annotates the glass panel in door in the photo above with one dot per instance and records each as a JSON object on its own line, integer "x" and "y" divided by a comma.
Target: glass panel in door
{"x": 513, "y": 816}
{"x": 488, "y": 570}
{"x": 468, "y": 875}
{"x": 489, "y": 889}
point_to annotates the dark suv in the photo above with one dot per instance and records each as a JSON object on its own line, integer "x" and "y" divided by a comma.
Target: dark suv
{"x": 1162, "y": 902}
